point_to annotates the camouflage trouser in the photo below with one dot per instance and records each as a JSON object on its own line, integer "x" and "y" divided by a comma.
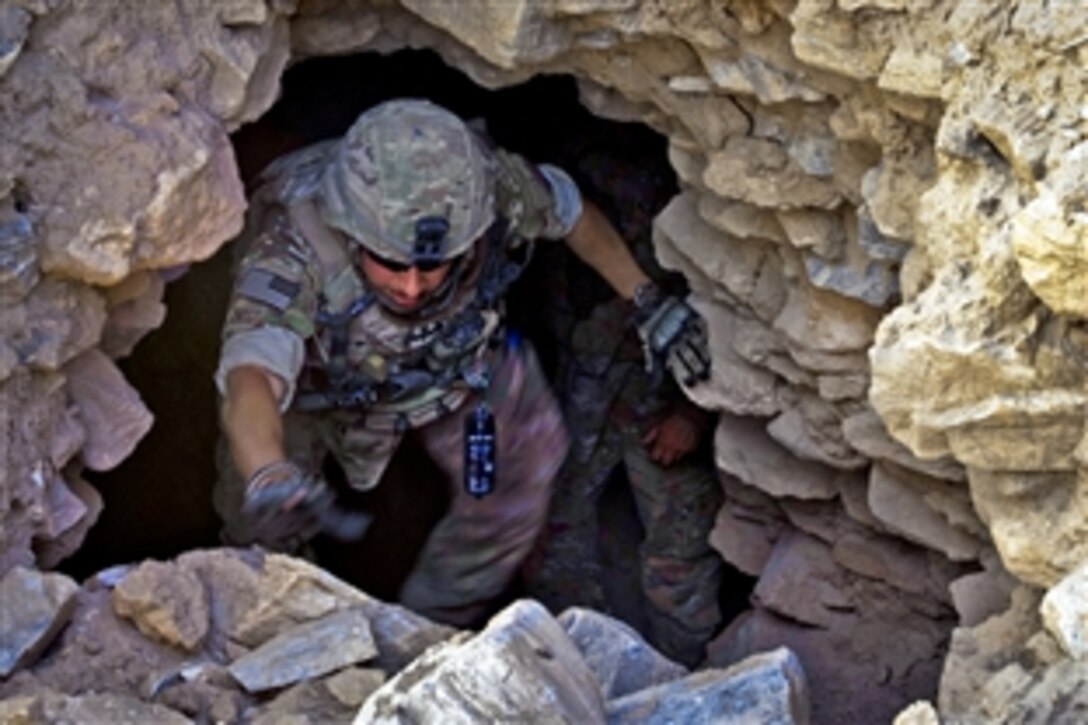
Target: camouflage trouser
{"x": 475, "y": 549}
{"x": 680, "y": 572}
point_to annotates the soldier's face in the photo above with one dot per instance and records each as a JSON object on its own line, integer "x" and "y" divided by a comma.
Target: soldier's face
{"x": 402, "y": 289}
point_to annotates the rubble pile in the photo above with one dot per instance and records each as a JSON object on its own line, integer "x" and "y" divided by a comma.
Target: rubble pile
{"x": 233, "y": 635}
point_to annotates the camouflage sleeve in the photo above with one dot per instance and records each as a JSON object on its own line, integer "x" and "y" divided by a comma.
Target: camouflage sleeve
{"x": 272, "y": 308}
{"x": 539, "y": 201}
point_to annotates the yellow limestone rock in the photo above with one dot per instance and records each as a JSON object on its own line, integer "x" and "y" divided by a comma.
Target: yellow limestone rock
{"x": 1064, "y": 610}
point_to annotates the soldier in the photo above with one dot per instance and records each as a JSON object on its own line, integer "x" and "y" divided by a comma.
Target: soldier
{"x": 620, "y": 416}
{"x": 369, "y": 306}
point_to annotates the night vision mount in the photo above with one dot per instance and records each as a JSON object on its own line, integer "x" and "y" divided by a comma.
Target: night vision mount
{"x": 432, "y": 237}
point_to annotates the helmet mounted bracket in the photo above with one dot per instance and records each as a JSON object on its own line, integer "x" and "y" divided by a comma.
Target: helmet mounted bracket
{"x": 432, "y": 237}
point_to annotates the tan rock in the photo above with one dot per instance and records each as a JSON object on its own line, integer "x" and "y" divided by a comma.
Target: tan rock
{"x": 265, "y": 595}
{"x": 135, "y": 308}
{"x": 111, "y": 411}
{"x": 851, "y": 386}
{"x": 1017, "y": 131}
{"x": 1037, "y": 521}
{"x": 521, "y": 660}
{"x": 756, "y": 342}
{"x": 755, "y": 76}
{"x": 821, "y": 231}
{"x": 854, "y": 494}
{"x": 51, "y": 551}
{"x": 913, "y": 72}
{"x": 688, "y": 163}
{"x": 865, "y": 431}
{"x": 331, "y": 699}
{"x": 747, "y": 526}
{"x": 351, "y": 686}
{"x": 740, "y": 220}
{"x": 173, "y": 192}
{"x": 979, "y": 653}
{"x": 1050, "y": 238}
{"x": 915, "y": 357}
{"x": 981, "y": 595}
{"x": 893, "y": 187}
{"x": 900, "y": 499}
{"x": 909, "y": 569}
{"x": 1064, "y": 610}
{"x": 742, "y": 267}
{"x": 803, "y": 582}
{"x": 709, "y": 120}
{"x": 813, "y": 431}
{"x": 331, "y": 28}
{"x": 310, "y": 650}
{"x": 505, "y": 33}
{"x": 62, "y": 320}
{"x": 262, "y": 596}
{"x": 761, "y": 172}
{"x": 833, "y": 40}
{"x": 165, "y": 602}
{"x": 743, "y": 449}
{"x": 827, "y": 362}
{"x": 825, "y": 321}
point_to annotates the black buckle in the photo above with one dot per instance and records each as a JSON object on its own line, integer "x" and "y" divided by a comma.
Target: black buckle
{"x": 430, "y": 243}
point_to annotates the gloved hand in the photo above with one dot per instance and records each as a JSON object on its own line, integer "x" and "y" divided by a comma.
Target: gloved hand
{"x": 673, "y": 335}
{"x": 284, "y": 507}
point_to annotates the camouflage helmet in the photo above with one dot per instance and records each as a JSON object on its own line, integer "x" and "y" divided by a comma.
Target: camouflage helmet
{"x": 410, "y": 182}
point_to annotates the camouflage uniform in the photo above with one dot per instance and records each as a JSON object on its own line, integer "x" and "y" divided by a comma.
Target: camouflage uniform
{"x": 300, "y": 309}
{"x": 610, "y": 402}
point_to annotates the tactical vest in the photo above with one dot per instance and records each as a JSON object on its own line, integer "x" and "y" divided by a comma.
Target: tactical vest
{"x": 399, "y": 371}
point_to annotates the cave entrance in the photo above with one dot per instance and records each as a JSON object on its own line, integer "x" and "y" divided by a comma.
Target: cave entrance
{"x": 158, "y": 502}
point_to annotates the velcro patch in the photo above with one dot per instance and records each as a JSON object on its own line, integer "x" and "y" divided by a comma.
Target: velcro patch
{"x": 264, "y": 286}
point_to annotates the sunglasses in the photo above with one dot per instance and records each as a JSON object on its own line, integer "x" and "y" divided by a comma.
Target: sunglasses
{"x": 426, "y": 265}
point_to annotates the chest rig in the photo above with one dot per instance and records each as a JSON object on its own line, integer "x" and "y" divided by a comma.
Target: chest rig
{"x": 364, "y": 357}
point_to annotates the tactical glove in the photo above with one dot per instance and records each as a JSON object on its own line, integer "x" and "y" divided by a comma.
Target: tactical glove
{"x": 284, "y": 507}
{"x": 673, "y": 335}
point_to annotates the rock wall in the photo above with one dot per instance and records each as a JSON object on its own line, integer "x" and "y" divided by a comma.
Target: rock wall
{"x": 882, "y": 217}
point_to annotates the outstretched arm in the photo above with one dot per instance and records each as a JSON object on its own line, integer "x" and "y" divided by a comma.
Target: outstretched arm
{"x": 597, "y": 243}
{"x": 282, "y": 503}
{"x": 672, "y": 332}
{"x": 251, "y": 418}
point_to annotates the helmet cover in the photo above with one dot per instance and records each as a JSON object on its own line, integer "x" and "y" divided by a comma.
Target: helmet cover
{"x": 410, "y": 180}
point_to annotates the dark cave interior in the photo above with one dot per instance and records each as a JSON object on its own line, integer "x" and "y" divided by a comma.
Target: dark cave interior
{"x": 158, "y": 502}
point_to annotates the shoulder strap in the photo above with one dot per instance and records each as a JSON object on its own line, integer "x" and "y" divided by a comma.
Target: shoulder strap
{"x": 329, "y": 249}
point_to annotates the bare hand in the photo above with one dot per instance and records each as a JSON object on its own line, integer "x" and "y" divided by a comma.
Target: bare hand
{"x": 671, "y": 439}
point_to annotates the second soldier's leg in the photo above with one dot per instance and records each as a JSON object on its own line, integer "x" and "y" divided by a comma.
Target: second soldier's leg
{"x": 565, "y": 568}
{"x": 474, "y": 552}
{"x": 681, "y": 572}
